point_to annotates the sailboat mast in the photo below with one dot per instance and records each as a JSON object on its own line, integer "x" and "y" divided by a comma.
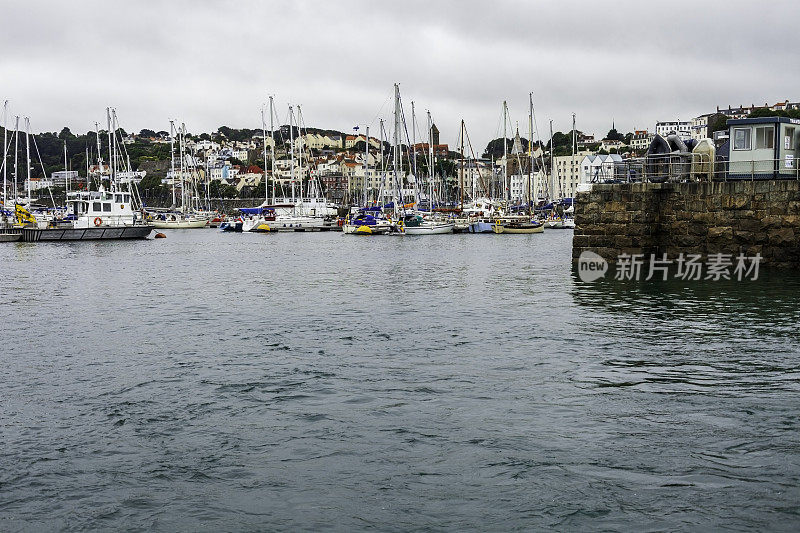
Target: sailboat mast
{"x": 66, "y": 170}
{"x": 461, "y": 169}
{"x": 505, "y": 152}
{"x": 431, "y": 170}
{"x": 115, "y": 161}
{"x": 291, "y": 147}
{"x": 16, "y": 158}
{"x": 272, "y": 147}
{"x": 181, "y": 168}
{"x": 264, "y": 152}
{"x": 414, "y": 143}
{"x": 574, "y": 148}
{"x": 397, "y": 154}
{"x": 99, "y": 153}
{"x": 366, "y": 166}
{"x": 5, "y": 152}
{"x": 381, "y": 192}
{"x": 28, "y": 154}
{"x": 110, "y": 151}
{"x": 530, "y": 154}
{"x": 552, "y": 191}
{"x": 302, "y": 173}
{"x": 172, "y": 157}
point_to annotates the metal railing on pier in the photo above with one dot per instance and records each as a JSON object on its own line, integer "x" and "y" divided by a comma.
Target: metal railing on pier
{"x": 689, "y": 167}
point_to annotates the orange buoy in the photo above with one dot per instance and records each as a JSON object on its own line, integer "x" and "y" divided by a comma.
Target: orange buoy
{"x": 160, "y": 236}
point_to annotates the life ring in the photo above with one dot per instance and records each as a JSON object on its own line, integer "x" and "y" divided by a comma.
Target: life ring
{"x": 98, "y": 221}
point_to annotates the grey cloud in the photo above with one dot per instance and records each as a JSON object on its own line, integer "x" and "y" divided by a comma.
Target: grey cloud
{"x": 210, "y": 63}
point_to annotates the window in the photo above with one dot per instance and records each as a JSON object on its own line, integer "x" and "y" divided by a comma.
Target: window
{"x": 118, "y": 198}
{"x": 96, "y": 206}
{"x": 106, "y": 206}
{"x": 765, "y": 137}
{"x": 788, "y": 138}
{"x": 741, "y": 138}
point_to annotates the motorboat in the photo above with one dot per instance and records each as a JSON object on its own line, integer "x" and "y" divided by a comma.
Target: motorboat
{"x": 514, "y": 226}
{"x": 367, "y": 221}
{"x": 93, "y": 215}
{"x": 414, "y": 224}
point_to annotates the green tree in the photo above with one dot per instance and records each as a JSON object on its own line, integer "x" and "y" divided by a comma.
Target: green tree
{"x": 150, "y": 182}
{"x": 717, "y": 122}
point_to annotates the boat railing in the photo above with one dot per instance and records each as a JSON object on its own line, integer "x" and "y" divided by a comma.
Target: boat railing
{"x": 690, "y": 167}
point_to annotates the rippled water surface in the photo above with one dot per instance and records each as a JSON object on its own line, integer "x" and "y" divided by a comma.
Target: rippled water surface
{"x": 216, "y": 381}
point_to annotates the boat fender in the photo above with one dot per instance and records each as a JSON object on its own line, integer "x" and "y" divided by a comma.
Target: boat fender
{"x": 98, "y": 221}
{"x": 160, "y": 236}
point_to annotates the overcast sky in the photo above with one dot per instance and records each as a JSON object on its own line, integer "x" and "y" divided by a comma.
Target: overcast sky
{"x": 211, "y": 63}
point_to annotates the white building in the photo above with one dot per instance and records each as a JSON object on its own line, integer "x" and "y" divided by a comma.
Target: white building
{"x": 610, "y": 144}
{"x": 568, "y": 174}
{"x": 598, "y": 168}
{"x": 682, "y": 129}
{"x": 35, "y": 184}
{"x": 239, "y": 154}
{"x": 60, "y": 177}
{"x": 641, "y": 140}
{"x": 222, "y": 172}
{"x": 207, "y": 146}
{"x": 699, "y": 126}
{"x": 519, "y": 186}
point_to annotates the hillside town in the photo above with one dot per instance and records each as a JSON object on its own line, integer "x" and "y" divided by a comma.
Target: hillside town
{"x": 234, "y": 163}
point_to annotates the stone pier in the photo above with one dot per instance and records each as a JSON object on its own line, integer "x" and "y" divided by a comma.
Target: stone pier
{"x": 747, "y": 217}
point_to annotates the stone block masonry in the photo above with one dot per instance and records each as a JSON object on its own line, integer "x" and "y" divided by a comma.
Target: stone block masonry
{"x": 747, "y": 217}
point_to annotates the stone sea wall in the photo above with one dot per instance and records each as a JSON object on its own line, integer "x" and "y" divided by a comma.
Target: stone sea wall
{"x": 747, "y": 217}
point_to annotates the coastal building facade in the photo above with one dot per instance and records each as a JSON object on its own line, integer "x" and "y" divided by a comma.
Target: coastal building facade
{"x": 681, "y": 128}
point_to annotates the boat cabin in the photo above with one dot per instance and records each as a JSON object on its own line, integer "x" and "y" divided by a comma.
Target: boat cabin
{"x": 101, "y": 207}
{"x": 764, "y": 148}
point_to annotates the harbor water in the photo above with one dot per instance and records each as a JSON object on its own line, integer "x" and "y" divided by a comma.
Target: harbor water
{"x": 217, "y": 382}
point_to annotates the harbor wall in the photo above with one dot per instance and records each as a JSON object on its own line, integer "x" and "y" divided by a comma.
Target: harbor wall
{"x": 705, "y": 218}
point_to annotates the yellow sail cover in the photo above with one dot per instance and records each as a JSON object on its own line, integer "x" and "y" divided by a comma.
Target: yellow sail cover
{"x": 23, "y": 215}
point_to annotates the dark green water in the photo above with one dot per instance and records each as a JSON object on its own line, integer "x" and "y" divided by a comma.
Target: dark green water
{"x": 302, "y": 382}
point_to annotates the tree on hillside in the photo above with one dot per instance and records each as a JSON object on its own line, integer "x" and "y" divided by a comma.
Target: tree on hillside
{"x": 767, "y": 112}
{"x": 717, "y": 122}
{"x": 147, "y": 133}
{"x": 614, "y": 135}
{"x": 495, "y": 147}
